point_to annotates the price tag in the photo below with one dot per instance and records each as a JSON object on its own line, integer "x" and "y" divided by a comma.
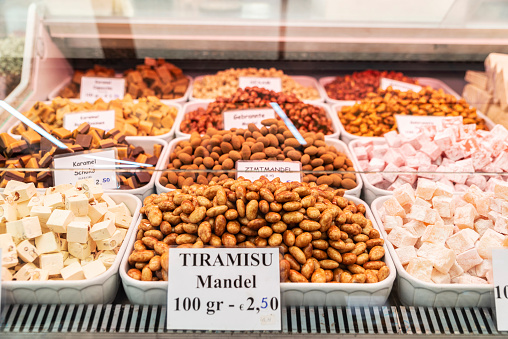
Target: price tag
{"x": 106, "y": 88}
{"x": 399, "y": 85}
{"x": 104, "y": 120}
{"x": 286, "y": 171}
{"x": 500, "y": 273}
{"x": 242, "y": 118}
{"x": 272, "y": 84}
{"x": 231, "y": 289}
{"x": 83, "y": 166}
{"x": 410, "y": 125}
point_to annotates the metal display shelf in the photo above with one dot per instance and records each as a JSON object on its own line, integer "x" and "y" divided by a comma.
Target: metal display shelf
{"x": 111, "y": 320}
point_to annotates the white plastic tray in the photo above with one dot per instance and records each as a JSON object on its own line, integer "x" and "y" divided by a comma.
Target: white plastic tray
{"x": 292, "y": 294}
{"x": 167, "y": 136}
{"x": 303, "y": 80}
{"x": 99, "y": 290}
{"x": 192, "y": 106}
{"x": 414, "y": 292}
{"x": 339, "y": 145}
{"x": 54, "y": 93}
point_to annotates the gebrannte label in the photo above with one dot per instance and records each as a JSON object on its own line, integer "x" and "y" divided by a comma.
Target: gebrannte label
{"x": 286, "y": 171}
{"x": 87, "y": 165}
{"x": 104, "y": 120}
{"x": 93, "y": 88}
{"x": 272, "y": 84}
{"x": 399, "y": 85}
{"x": 242, "y": 118}
{"x": 410, "y": 125}
{"x": 230, "y": 289}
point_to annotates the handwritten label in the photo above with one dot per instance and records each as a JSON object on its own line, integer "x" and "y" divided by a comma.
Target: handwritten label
{"x": 500, "y": 287}
{"x": 410, "y": 125}
{"x": 399, "y": 85}
{"x": 242, "y": 118}
{"x": 104, "y": 120}
{"x": 87, "y": 165}
{"x": 230, "y": 289}
{"x": 286, "y": 171}
{"x": 272, "y": 84}
{"x": 106, "y": 88}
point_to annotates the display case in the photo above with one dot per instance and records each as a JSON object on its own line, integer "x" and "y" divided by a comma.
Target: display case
{"x": 139, "y": 127}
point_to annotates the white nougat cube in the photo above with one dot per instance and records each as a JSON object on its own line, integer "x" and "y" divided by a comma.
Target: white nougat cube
{"x": 59, "y": 220}
{"x": 107, "y": 258}
{"x": 96, "y": 212}
{"x": 122, "y": 220}
{"x": 103, "y": 230}
{"x": 114, "y": 241}
{"x": 87, "y": 260}
{"x": 23, "y": 192}
{"x": 8, "y": 212}
{"x": 94, "y": 269}
{"x": 9, "y": 259}
{"x": 26, "y": 251}
{"x": 25, "y": 272}
{"x": 108, "y": 200}
{"x": 23, "y": 209}
{"x": 58, "y": 189}
{"x": 80, "y": 251}
{"x": 73, "y": 271}
{"x": 7, "y": 243}
{"x": 26, "y": 228}
{"x": 41, "y": 212}
{"x": 39, "y": 275}
{"x": 78, "y": 205}
{"x": 11, "y": 186}
{"x": 52, "y": 262}
{"x": 6, "y": 274}
{"x": 420, "y": 268}
{"x": 54, "y": 200}
{"x": 77, "y": 232}
{"x": 71, "y": 260}
{"x": 47, "y": 243}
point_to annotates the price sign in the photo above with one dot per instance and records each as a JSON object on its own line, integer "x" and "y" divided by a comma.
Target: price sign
{"x": 231, "y": 289}
{"x": 104, "y": 120}
{"x": 272, "y": 84}
{"x": 106, "y": 88}
{"x": 242, "y": 118}
{"x": 500, "y": 273}
{"x": 399, "y": 85}
{"x": 83, "y": 166}
{"x": 286, "y": 171}
{"x": 410, "y": 125}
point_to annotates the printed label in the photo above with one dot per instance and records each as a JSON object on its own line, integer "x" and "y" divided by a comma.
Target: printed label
{"x": 242, "y": 118}
{"x": 399, "y": 85}
{"x": 104, "y": 120}
{"x": 286, "y": 171}
{"x": 272, "y": 84}
{"x": 106, "y": 88}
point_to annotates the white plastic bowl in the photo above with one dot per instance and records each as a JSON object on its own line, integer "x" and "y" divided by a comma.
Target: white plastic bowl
{"x": 194, "y": 105}
{"x": 414, "y": 292}
{"x": 99, "y": 290}
{"x": 303, "y": 80}
{"x": 292, "y": 294}
{"x": 339, "y": 145}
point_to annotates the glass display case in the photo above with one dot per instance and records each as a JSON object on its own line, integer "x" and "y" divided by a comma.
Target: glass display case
{"x": 345, "y": 133}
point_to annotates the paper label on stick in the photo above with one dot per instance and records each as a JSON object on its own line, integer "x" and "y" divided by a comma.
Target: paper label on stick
{"x": 230, "y": 289}
{"x": 242, "y": 118}
{"x": 104, "y": 120}
{"x": 286, "y": 171}
{"x": 410, "y": 125}
{"x": 500, "y": 274}
{"x": 87, "y": 165}
{"x": 272, "y": 84}
{"x": 93, "y": 88}
{"x": 399, "y": 85}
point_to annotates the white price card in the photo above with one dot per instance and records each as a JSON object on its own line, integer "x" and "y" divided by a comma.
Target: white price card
{"x": 399, "y": 85}
{"x": 104, "y": 120}
{"x": 93, "y": 88}
{"x": 410, "y": 125}
{"x": 286, "y": 171}
{"x": 84, "y": 166}
{"x": 499, "y": 257}
{"x": 272, "y": 84}
{"x": 228, "y": 289}
{"x": 242, "y": 118}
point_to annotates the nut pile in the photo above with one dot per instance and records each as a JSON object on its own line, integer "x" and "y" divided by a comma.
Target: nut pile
{"x": 356, "y": 86}
{"x": 70, "y": 233}
{"x": 220, "y": 150}
{"x": 225, "y": 83}
{"x": 374, "y": 115}
{"x": 146, "y": 117}
{"x": 306, "y": 117}
{"x": 34, "y": 151}
{"x": 154, "y": 78}
{"x": 323, "y": 237}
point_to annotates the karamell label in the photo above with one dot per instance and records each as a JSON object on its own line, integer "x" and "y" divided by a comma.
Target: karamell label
{"x": 105, "y": 88}
{"x": 286, "y": 171}
{"x": 87, "y": 165}
{"x": 272, "y": 84}
{"x": 104, "y": 120}
{"x": 242, "y": 118}
{"x": 399, "y": 85}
